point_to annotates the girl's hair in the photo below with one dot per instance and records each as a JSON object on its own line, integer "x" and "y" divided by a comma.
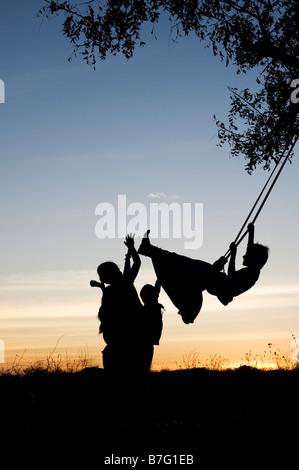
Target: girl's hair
{"x": 108, "y": 270}
{"x": 258, "y": 255}
{"x": 148, "y": 292}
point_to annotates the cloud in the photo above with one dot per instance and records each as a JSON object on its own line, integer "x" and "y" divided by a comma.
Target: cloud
{"x": 162, "y": 196}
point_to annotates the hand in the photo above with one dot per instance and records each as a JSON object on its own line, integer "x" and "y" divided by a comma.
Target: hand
{"x": 233, "y": 247}
{"x": 97, "y": 284}
{"x": 129, "y": 241}
{"x": 222, "y": 261}
{"x": 219, "y": 264}
{"x": 250, "y": 227}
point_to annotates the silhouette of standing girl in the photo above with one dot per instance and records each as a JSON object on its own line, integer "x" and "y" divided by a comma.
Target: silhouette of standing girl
{"x": 119, "y": 316}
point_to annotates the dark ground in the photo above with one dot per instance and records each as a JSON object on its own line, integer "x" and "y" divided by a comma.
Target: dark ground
{"x": 244, "y": 417}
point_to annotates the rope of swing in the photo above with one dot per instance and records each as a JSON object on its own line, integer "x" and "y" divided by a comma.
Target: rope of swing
{"x": 239, "y": 238}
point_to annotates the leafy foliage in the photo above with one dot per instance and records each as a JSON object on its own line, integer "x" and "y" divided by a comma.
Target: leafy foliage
{"x": 261, "y": 34}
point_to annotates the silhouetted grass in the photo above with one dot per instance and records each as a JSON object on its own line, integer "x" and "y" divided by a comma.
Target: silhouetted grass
{"x": 213, "y": 414}
{"x": 204, "y": 408}
{"x": 51, "y": 363}
{"x": 272, "y": 358}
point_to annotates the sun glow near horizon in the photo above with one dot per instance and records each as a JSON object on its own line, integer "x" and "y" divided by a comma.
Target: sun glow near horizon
{"x": 40, "y": 308}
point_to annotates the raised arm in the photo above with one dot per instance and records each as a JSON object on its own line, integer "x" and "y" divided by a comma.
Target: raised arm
{"x": 130, "y": 272}
{"x": 250, "y": 242}
{"x": 233, "y": 249}
{"x": 158, "y": 286}
{"x": 127, "y": 265}
{"x": 232, "y": 262}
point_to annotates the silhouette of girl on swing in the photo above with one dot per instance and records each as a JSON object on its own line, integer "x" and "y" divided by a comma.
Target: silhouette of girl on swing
{"x": 184, "y": 279}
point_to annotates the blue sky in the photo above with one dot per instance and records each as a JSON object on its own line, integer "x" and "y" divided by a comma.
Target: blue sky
{"x": 72, "y": 137}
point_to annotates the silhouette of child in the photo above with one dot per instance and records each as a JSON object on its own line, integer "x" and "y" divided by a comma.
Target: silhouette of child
{"x": 152, "y": 319}
{"x": 120, "y": 301}
{"x": 184, "y": 279}
{"x": 119, "y": 316}
{"x": 152, "y": 310}
{"x": 243, "y": 279}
